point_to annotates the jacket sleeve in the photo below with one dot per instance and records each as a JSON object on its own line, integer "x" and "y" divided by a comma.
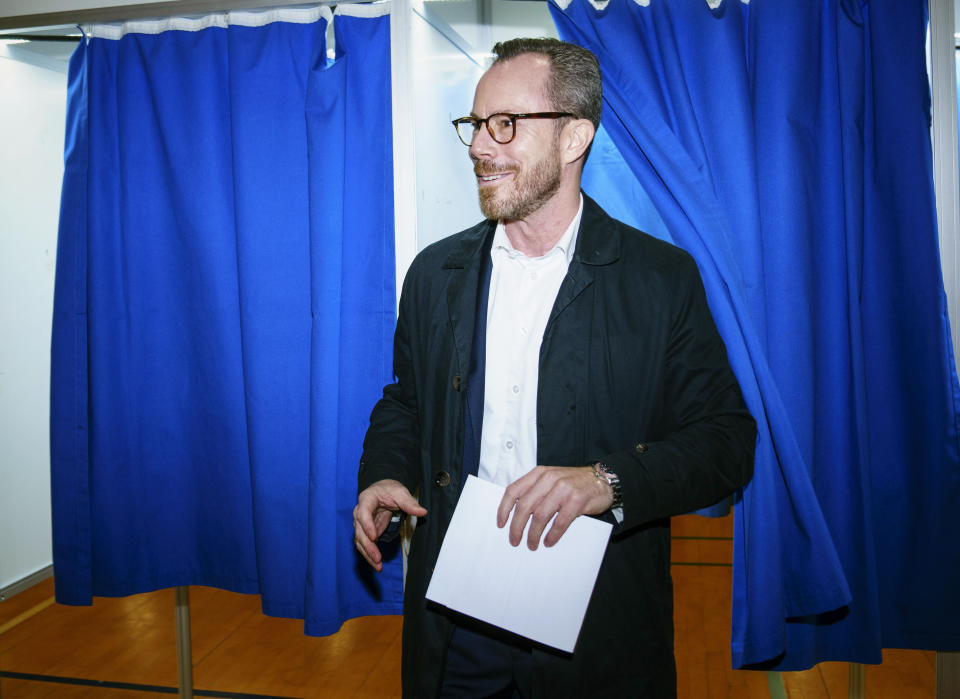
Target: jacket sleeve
{"x": 706, "y": 450}
{"x": 391, "y": 445}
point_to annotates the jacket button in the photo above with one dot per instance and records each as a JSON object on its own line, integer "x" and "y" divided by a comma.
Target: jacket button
{"x": 442, "y": 479}
{"x": 456, "y": 382}
{"x": 641, "y": 448}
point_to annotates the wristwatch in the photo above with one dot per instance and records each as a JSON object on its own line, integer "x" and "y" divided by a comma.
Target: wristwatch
{"x": 602, "y": 471}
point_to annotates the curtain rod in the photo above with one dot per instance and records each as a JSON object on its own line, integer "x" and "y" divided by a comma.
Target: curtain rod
{"x": 39, "y": 37}
{"x": 148, "y": 10}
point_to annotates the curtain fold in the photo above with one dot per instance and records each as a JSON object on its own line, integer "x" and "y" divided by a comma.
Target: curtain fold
{"x": 785, "y": 146}
{"x": 350, "y": 150}
{"x": 217, "y": 338}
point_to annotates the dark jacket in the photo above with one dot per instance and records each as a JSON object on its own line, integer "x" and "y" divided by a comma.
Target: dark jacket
{"x": 632, "y": 372}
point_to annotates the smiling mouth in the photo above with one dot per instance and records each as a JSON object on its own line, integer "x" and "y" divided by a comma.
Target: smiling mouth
{"x": 493, "y": 178}
{"x": 489, "y": 172}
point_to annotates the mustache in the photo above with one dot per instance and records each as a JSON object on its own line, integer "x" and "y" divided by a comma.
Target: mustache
{"x": 489, "y": 167}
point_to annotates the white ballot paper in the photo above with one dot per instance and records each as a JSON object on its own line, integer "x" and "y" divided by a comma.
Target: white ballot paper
{"x": 540, "y": 594}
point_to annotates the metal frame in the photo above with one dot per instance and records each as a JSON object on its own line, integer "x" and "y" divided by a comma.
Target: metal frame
{"x": 184, "y": 648}
{"x": 422, "y": 10}
{"x": 404, "y": 146}
{"x": 944, "y": 137}
{"x": 943, "y": 82}
{"x": 856, "y": 681}
{"x": 948, "y": 675}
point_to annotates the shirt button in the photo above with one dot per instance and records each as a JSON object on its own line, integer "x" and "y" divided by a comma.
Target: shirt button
{"x": 516, "y": 389}
{"x": 442, "y": 479}
{"x": 509, "y": 444}
{"x": 641, "y": 448}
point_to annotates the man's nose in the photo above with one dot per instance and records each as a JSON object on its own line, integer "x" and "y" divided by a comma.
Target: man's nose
{"x": 483, "y": 146}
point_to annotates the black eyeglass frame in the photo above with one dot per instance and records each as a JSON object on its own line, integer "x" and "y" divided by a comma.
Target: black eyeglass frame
{"x": 476, "y": 121}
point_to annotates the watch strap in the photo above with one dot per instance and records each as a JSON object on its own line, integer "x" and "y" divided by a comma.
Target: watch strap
{"x": 602, "y": 471}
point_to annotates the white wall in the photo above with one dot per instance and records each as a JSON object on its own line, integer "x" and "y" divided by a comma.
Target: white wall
{"x": 444, "y": 78}
{"x": 32, "y": 108}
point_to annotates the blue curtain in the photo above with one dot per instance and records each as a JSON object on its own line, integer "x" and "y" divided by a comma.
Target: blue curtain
{"x": 224, "y": 311}
{"x": 786, "y": 146}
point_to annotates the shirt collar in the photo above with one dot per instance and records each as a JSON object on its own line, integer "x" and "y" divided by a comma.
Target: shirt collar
{"x": 567, "y": 243}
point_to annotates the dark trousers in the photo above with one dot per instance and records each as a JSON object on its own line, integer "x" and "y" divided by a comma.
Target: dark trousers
{"x": 486, "y": 663}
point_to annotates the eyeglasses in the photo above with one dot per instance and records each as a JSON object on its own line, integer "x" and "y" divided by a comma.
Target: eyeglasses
{"x": 502, "y": 126}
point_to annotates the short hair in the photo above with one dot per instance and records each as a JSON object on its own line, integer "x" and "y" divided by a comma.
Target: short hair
{"x": 574, "y": 84}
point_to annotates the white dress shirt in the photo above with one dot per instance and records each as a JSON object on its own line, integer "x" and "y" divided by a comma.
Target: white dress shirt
{"x": 522, "y": 294}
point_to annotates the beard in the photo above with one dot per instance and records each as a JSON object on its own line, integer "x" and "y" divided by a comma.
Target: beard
{"x": 529, "y": 190}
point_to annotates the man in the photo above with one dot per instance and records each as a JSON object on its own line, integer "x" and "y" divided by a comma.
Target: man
{"x": 550, "y": 334}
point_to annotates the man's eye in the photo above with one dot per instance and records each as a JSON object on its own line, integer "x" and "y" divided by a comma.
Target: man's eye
{"x": 503, "y": 122}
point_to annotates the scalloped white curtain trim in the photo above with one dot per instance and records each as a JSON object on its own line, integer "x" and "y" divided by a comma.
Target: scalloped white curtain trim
{"x": 602, "y": 4}
{"x": 375, "y": 9}
{"x": 296, "y": 15}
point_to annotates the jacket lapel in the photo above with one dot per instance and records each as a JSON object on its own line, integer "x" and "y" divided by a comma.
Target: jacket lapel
{"x": 598, "y": 244}
{"x": 464, "y": 265}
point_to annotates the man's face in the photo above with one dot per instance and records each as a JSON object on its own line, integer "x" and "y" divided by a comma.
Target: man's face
{"x": 516, "y": 179}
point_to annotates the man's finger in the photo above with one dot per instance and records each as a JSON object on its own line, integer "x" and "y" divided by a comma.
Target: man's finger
{"x": 560, "y": 525}
{"x": 528, "y": 503}
{"x": 509, "y": 499}
{"x": 363, "y": 515}
{"x": 367, "y": 549}
{"x": 409, "y": 504}
{"x": 571, "y": 503}
{"x": 371, "y": 516}
{"x": 522, "y": 513}
{"x": 361, "y": 547}
{"x": 550, "y": 504}
{"x": 537, "y": 525}
{"x": 519, "y": 488}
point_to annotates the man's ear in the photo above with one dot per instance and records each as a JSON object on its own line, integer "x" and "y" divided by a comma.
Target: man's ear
{"x": 578, "y": 135}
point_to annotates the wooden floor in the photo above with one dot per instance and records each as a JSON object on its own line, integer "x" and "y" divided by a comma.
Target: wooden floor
{"x": 125, "y": 648}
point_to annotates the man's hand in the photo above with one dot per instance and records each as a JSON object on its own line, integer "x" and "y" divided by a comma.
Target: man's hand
{"x": 375, "y": 506}
{"x": 565, "y": 491}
